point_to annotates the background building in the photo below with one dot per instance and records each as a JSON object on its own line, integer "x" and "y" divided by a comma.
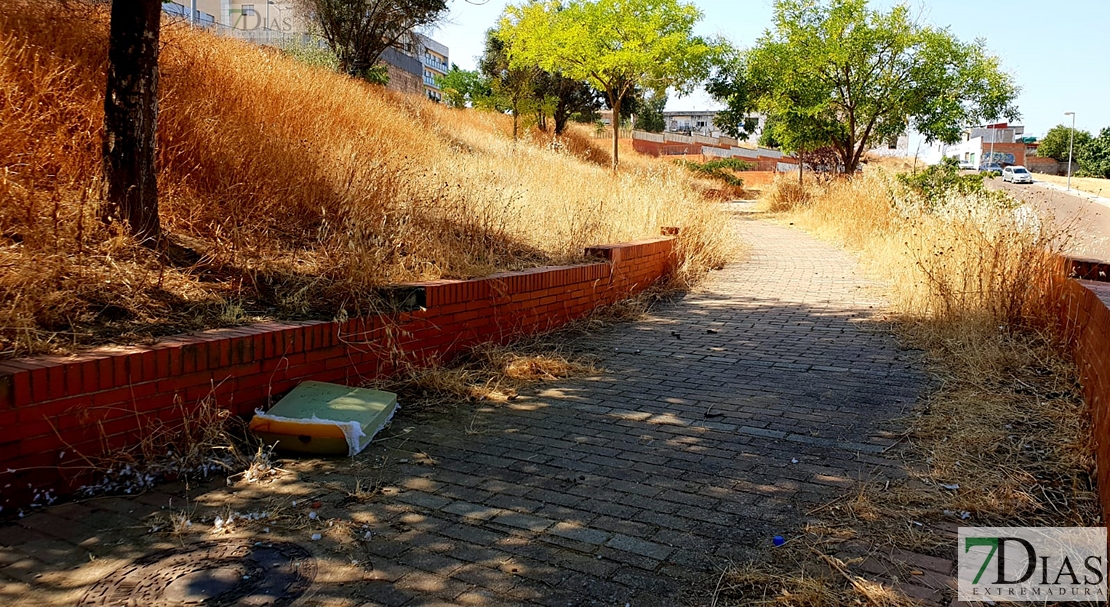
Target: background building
{"x": 999, "y": 143}
{"x": 412, "y": 66}
{"x": 436, "y": 59}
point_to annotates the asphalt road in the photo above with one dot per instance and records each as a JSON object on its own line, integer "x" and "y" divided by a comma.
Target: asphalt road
{"x": 1087, "y": 222}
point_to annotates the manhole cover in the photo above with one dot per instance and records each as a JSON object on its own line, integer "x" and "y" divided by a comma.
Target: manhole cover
{"x": 211, "y": 573}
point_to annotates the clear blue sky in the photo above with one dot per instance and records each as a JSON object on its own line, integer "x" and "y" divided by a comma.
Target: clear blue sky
{"x": 1058, "y": 51}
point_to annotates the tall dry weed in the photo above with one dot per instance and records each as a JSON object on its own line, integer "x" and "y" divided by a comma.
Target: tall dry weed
{"x": 299, "y": 190}
{"x": 960, "y": 259}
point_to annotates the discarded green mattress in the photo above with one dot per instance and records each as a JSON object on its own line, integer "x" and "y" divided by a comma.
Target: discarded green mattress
{"x": 325, "y": 419}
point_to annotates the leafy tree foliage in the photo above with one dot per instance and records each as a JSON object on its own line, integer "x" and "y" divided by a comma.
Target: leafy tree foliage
{"x": 514, "y": 85}
{"x": 941, "y": 179}
{"x": 359, "y": 31}
{"x": 1094, "y": 156}
{"x": 566, "y": 99}
{"x": 464, "y": 88}
{"x": 729, "y": 86}
{"x": 650, "y": 117}
{"x": 834, "y": 72}
{"x": 1056, "y": 141}
{"x": 615, "y": 45}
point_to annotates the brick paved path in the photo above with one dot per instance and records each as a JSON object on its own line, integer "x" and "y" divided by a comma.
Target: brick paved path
{"x": 717, "y": 421}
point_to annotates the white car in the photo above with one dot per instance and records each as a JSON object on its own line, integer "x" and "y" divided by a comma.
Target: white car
{"x": 1017, "y": 174}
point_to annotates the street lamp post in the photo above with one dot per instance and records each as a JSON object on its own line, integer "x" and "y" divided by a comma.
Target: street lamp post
{"x": 1071, "y": 145}
{"x": 992, "y": 132}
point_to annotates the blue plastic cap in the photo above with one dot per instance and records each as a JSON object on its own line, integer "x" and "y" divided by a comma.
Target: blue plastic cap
{"x": 778, "y": 541}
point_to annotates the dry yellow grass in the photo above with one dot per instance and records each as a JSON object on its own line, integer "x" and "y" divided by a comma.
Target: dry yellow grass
{"x": 1091, "y": 185}
{"x": 299, "y": 189}
{"x": 961, "y": 259}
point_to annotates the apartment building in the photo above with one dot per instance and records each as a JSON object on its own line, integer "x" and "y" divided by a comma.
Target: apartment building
{"x": 435, "y": 63}
{"x": 413, "y": 66}
{"x": 208, "y": 11}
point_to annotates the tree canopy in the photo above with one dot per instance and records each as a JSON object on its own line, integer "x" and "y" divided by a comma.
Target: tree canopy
{"x": 834, "y": 72}
{"x": 463, "y": 88}
{"x": 512, "y": 83}
{"x": 1094, "y": 156}
{"x": 650, "y": 117}
{"x": 1057, "y": 140}
{"x": 615, "y": 45}
{"x": 359, "y": 31}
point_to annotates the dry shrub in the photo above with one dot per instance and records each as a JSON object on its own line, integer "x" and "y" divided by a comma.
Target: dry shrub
{"x": 489, "y": 372}
{"x": 898, "y": 164}
{"x": 797, "y": 582}
{"x": 1009, "y": 426}
{"x": 198, "y": 441}
{"x": 965, "y": 258}
{"x": 297, "y": 190}
{"x": 495, "y": 373}
{"x": 785, "y": 194}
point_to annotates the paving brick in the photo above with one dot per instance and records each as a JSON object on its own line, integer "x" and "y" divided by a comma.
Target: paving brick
{"x": 522, "y": 521}
{"x": 638, "y": 546}
{"x": 469, "y": 510}
{"x": 580, "y": 534}
{"x": 425, "y": 500}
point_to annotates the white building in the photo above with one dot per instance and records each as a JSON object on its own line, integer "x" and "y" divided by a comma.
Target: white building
{"x": 703, "y": 123}
{"x": 899, "y": 148}
{"x": 999, "y": 143}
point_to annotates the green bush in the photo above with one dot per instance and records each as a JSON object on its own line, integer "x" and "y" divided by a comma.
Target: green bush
{"x": 312, "y": 54}
{"x": 942, "y": 180}
{"x": 719, "y": 169}
{"x": 1094, "y": 156}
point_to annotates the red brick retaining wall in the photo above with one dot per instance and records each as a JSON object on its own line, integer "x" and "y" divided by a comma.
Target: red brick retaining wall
{"x": 54, "y": 408}
{"x": 1085, "y": 315}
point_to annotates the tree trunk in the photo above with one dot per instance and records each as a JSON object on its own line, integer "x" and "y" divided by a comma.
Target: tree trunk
{"x": 616, "y": 132}
{"x": 561, "y": 117}
{"x": 801, "y": 182}
{"x": 131, "y": 119}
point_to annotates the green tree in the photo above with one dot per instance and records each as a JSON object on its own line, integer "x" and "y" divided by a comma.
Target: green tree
{"x": 837, "y": 72}
{"x": 650, "y": 117}
{"x": 615, "y": 45}
{"x": 729, "y": 86}
{"x": 514, "y": 84}
{"x": 359, "y": 31}
{"x": 567, "y": 99}
{"x": 1057, "y": 140}
{"x": 464, "y": 88}
{"x": 1094, "y": 156}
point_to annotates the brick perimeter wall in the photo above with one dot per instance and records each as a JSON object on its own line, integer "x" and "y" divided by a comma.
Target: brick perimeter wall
{"x": 1086, "y": 320}
{"x": 97, "y": 401}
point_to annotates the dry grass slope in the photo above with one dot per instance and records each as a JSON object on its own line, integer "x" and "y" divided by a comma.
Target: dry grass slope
{"x": 300, "y": 190}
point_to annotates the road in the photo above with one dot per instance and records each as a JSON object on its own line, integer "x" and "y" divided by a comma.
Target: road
{"x": 1088, "y": 222}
